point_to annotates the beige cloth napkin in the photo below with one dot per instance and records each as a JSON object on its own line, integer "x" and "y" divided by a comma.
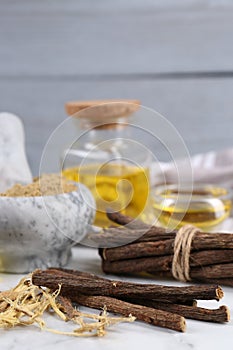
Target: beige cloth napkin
{"x": 211, "y": 167}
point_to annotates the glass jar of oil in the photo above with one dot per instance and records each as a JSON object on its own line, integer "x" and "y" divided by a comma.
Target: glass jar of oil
{"x": 204, "y": 206}
{"x": 107, "y": 160}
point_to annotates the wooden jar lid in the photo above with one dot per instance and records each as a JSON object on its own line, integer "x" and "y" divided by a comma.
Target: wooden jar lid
{"x": 101, "y": 109}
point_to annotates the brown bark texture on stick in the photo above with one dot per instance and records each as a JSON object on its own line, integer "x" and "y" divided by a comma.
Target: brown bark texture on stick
{"x": 161, "y": 248}
{"x": 221, "y": 281}
{"x": 121, "y": 219}
{"x": 66, "y": 306}
{"x": 142, "y": 313}
{"x": 220, "y": 315}
{"x": 163, "y": 264}
{"x": 71, "y": 286}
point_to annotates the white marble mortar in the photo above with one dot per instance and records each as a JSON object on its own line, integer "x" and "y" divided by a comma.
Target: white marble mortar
{"x": 38, "y": 232}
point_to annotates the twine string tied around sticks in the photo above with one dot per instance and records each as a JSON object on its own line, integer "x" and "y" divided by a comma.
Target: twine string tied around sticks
{"x": 182, "y": 249}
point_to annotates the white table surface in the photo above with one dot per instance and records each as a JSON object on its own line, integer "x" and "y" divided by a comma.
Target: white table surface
{"x": 137, "y": 335}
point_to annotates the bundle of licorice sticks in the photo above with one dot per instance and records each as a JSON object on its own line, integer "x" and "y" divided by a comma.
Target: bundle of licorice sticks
{"x": 206, "y": 257}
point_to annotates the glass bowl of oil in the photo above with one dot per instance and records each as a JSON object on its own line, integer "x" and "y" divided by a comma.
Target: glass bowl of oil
{"x": 202, "y": 205}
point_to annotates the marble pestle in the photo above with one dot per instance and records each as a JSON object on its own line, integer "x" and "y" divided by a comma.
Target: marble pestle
{"x": 14, "y": 167}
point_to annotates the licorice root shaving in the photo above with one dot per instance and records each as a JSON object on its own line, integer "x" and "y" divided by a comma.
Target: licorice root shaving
{"x": 26, "y": 304}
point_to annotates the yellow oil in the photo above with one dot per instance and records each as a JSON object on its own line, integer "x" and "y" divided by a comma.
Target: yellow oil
{"x": 207, "y": 208}
{"x": 120, "y": 187}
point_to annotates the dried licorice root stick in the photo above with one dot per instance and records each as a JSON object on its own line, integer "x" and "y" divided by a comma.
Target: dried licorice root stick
{"x": 137, "y": 250}
{"x": 77, "y": 273}
{"x": 221, "y": 281}
{"x": 74, "y": 273}
{"x": 123, "y": 220}
{"x": 165, "y": 248}
{"x": 71, "y": 285}
{"x": 212, "y": 271}
{"x": 220, "y": 315}
{"x": 224, "y": 240}
{"x": 152, "y": 316}
{"x": 202, "y": 241}
{"x": 66, "y": 306}
{"x": 162, "y": 265}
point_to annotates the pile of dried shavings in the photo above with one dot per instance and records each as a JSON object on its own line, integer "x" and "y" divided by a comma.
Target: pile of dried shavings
{"x": 26, "y": 305}
{"x": 45, "y": 185}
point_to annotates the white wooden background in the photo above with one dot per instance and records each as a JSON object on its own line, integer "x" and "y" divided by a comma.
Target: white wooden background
{"x": 176, "y": 56}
